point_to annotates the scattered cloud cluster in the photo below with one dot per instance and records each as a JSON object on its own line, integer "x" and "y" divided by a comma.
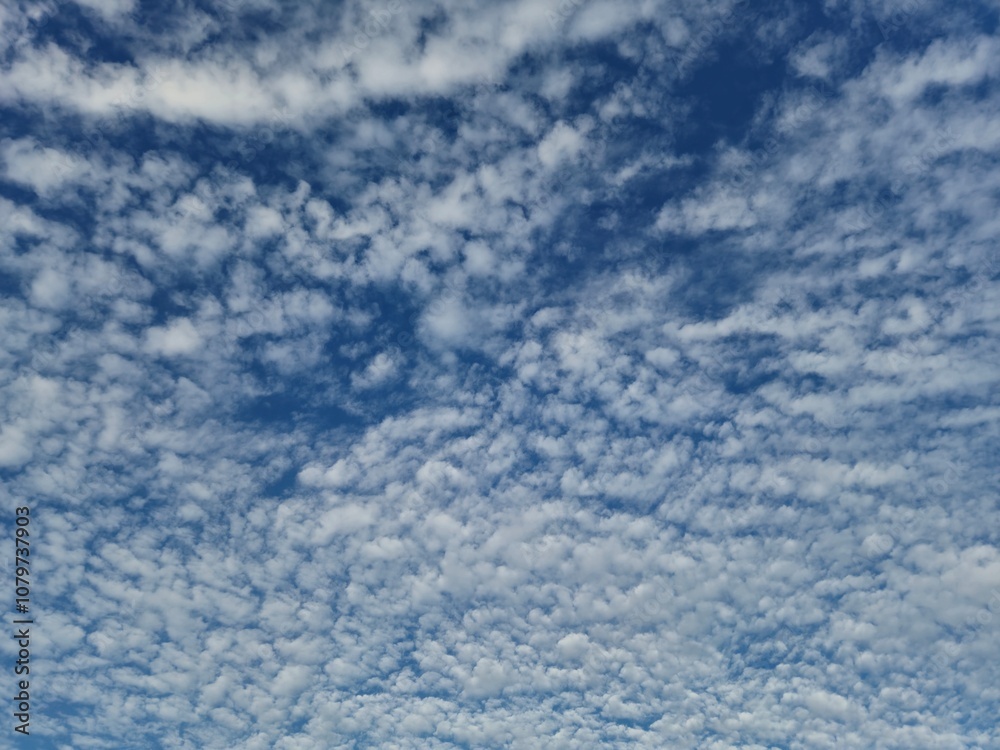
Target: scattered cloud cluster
{"x": 560, "y": 374}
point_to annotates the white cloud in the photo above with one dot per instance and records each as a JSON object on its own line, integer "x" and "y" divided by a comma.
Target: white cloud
{"x": 51, "y": 288}
{"x": 178, "y": 337}
{"x": 108, "y": 9}
{"x": 497, "y": 420}
{"x": 561, "y": 143}
{"x": 42, "y": 169}
{"x": 14, "y": 447}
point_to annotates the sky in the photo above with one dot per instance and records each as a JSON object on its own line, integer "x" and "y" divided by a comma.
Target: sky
{"x": 524, "y": 374}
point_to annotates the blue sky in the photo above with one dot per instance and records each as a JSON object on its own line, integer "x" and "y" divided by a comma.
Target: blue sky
{"x": 514, "y": 375}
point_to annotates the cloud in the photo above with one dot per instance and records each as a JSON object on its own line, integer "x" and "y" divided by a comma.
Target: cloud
{"x": 474, "y": 376}
{"x": 14, "y": 450}
{"x": 179, "y": 337}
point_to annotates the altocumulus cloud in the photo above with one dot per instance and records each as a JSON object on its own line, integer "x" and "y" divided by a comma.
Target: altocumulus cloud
{"x": 551, "y": 374}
